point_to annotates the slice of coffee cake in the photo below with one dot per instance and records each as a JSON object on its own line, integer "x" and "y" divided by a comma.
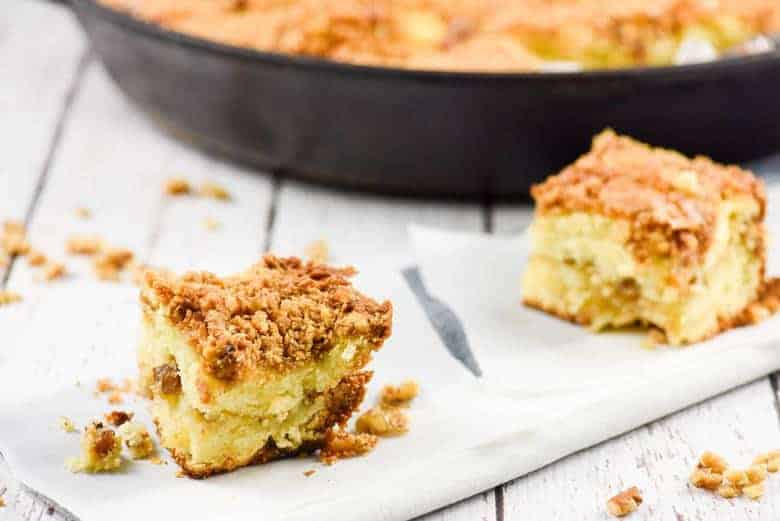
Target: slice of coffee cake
{"x": 634, "y": 234}
{"x": 256, "y": 366}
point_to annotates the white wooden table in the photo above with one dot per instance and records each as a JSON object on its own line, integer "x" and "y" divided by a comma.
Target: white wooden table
{"x": 68, "y": 138}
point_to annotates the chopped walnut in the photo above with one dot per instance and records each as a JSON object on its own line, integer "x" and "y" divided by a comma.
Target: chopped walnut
{"x": 9, "y": 297}
{"x": 383, "y": 421}
{"x": 66, "y": 424}
{"x": 118, "y": 418}
{"x": 728, "y": 491}
{"x": 705, "y": 478}
{"x": 214, "y": 190}
{"x": 710, "y": 460}
{"x": 737, "y": 477}
{"x": 177, "y": 186}
{"x": 53, "y": 271}
{"x": 756, "y": 473}
{"x": 167, "y": 379}
{"x": 318, "y": 252}
{"x": 84, "y": 245}
{"x": 400, "y": 394}
{"x": 36, "y": 258}
{"x": 100, "y": 450}
{"x": 754, "y": 491}
{"x": 770, "y": 459}
{"x": 341, "y": 444}
{"x": 625, "y": 502}
{"x": 137, "y": 440}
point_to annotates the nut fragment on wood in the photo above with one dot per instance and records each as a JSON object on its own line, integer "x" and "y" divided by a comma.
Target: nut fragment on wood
{"x": 625, "y": 502}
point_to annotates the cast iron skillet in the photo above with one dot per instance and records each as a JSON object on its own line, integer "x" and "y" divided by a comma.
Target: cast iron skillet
{"x": 426, "y": 133}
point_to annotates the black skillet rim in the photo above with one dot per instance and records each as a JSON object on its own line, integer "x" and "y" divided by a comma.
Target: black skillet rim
{"x": 150, "y": 29}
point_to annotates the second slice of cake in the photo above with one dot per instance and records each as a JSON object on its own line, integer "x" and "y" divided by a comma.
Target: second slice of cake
{"x": 256, "y": 366}
{"x": 634, "y": 234}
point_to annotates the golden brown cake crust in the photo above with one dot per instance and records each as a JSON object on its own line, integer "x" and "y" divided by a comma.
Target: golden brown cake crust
{"x": 278, "y": 315}
{"x": 670, "y": 200}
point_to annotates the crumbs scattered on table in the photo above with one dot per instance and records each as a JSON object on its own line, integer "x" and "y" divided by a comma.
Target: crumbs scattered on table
{"x": 84, "y": 244}
{"x": 36, "y": 258}
{"x": 118, "y": 418}
{"x": 114, "y": 391}
{"x": 177, "y": 186}
{"x": 66, "y": 424}
{"x": 110, "y": 263}
{"x": 53, "y": 271}
{"x": 309, "y": 472}
{"x": 13, "y": 239}
{"x": 214, "y": 191}
{"x": 9, "y": 297}
{"x": 342, "y": 444}
{"x": 713, "y": 473}
{"x": 101, "y": 450}
{"x": 397, "y": 395}
{"x": 317, "y": 251}
{"x": 625, "y": 502}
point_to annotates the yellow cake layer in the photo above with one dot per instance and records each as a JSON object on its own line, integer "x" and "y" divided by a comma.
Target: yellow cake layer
{"x": 583, "y": 268}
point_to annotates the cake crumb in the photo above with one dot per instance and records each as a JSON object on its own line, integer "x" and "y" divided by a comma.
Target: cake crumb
{"x": 318, "y": 252}
{"x": 308, "y": 473}
{"x": 83, "y": 245}
{"x": 214, "y": 191}
{"x": 118, "y": 418}
{"x": 115, "y": 398}
{"x": 211, "y": 224}
{"x": 53, "y": 271}
{"x": 36, "y": 258}
{"x": 400, "y": 394}
{"x": 82, "y": 212}
{"x": 100, "y": 450}
{"x": 383, "y": 421}
{"x": 9, "y": 297}
{"x": 111, "y": 262}
{"x": 341, "y": 444}
{"x": 624, "y": 503}
{"x": 137, "y": 440}
{"x": 66, "y": 424}
{"x": 177, "y": 186}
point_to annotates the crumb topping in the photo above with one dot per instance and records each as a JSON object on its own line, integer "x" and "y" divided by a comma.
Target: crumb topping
{"x": 397, "y": 395}
{"x": 625, "y": 502}
{"x": 277, "y": 315}
{"x": 66, "y": 424}
{"x": 341, "y": 444}
{"x": 670, "y": 200}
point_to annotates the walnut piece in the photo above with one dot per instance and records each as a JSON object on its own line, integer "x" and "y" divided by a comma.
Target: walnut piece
{"x": 625, "y": 502}
{"x": 166, "y": 377}
{"x": 383, "y": 421}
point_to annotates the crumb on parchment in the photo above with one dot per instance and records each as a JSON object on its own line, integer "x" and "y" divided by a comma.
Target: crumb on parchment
{"x": 101, "y": 450}
{"x": 342, "y": 444}
{"x": 66, "y": 424}
{"x": 625, "y": 502}
{"x": 383, "y": 421}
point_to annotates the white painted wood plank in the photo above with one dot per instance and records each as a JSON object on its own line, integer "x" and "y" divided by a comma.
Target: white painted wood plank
{"x": 37, "y": 68}
{"x": 114, "y": 162}
{"x": 358, "y": 226}
{"x": 111, "y": 160}
{"x": 657, "y": 458}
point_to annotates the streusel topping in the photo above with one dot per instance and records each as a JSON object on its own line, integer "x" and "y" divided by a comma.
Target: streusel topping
{"x": 672, "y": 201}
{"x": 278, "y": 315}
